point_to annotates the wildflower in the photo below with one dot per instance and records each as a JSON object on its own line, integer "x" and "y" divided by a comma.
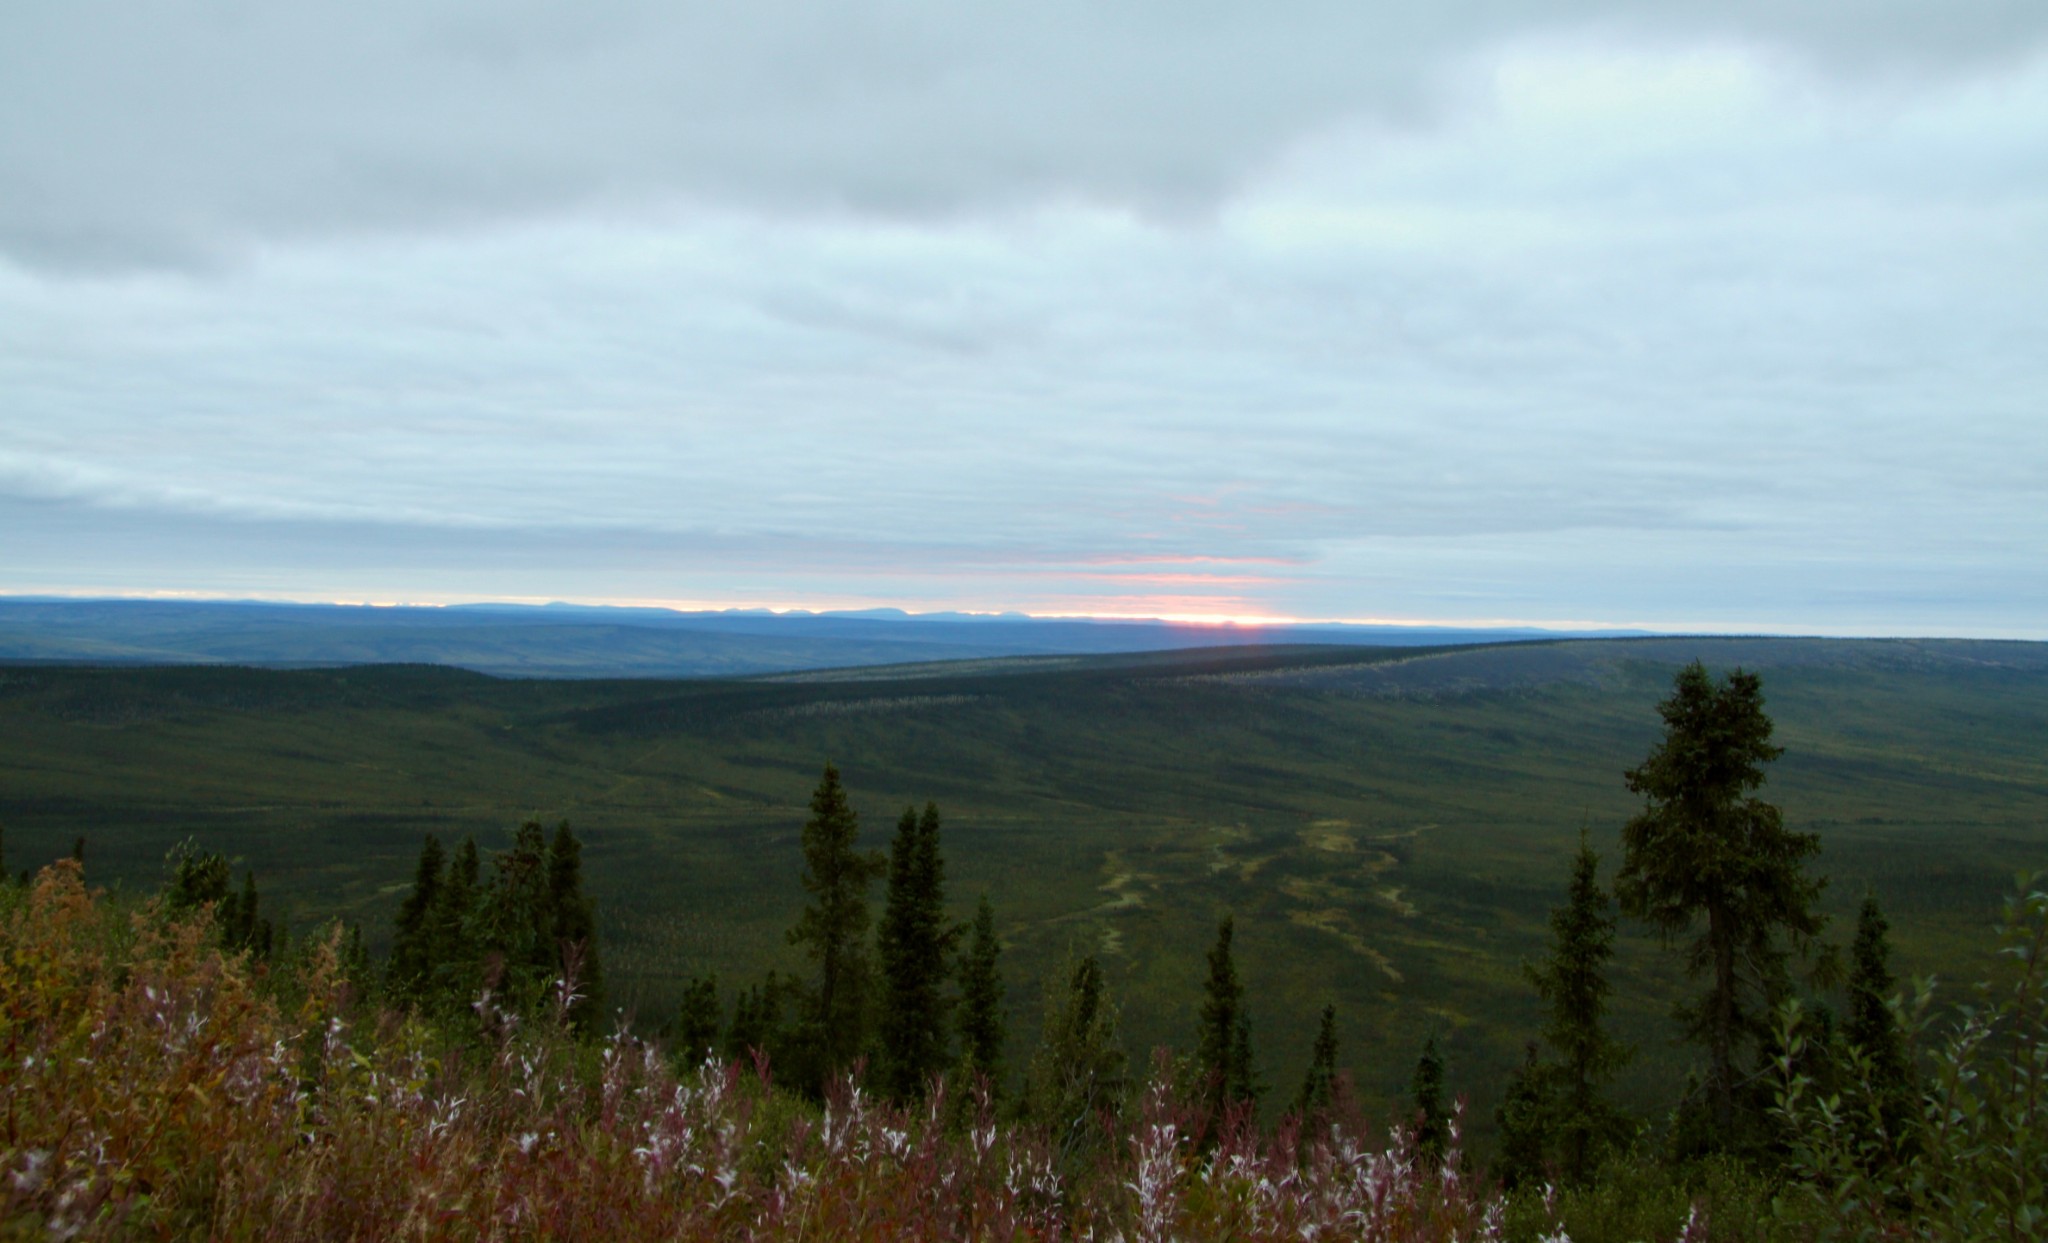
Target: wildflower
{"x": 30, "y": 1176}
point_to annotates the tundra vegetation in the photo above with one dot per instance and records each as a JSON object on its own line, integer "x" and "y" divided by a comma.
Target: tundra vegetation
{"x": 174, "y": 1066}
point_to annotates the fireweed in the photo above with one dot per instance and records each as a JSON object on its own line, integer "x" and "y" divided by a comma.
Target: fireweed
{"x": 155, "y": 1086}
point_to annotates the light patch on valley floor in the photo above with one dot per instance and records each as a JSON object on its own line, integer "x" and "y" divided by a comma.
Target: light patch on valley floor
{"x": 1404, "y": 834}
{"x": 1223, "y": 836}
{"x": 1310, "y": 889}
{"x": 1331, "y": 921}
{"x": 1329, "y": 836}
{"x": 1391, "y": 895}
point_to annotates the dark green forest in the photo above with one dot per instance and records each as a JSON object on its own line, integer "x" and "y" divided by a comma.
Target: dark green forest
{"x": 1388, "y": 830}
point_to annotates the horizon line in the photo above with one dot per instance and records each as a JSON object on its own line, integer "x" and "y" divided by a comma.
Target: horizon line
{"x": 1221, "y": 621}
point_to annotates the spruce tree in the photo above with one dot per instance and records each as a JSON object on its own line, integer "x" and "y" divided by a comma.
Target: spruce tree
{"x": 1573, "y": 980}
{"x": 1706, "y": 850}
{"x": 574, "y": 927}
{"x": 1223, "y": 1055}
{"x": 981, "y": 1001}
{"x": 757, "y": 1021}
{"x": 198, "y": 880}
{"x": 242, "y": 927}
{"x": 518, "y": 921}
{"x": 1078, "y": 1071}
{"x": 832, "y": 932}
{"x": 698, "y": 1022}
{"x": 1883, "y": 1073}
{"x": 1432, "y": 1124}
{"x": 411, "y": 965}
{"x": 1525, "y": 1121}
{"x": 914, "y": 944}
{"x": 453, "y": 932}
{"x": 1319, "y": 1085}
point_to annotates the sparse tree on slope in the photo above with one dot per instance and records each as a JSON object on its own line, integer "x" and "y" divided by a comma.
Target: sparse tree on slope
{"x": 574, "y": 922}
{"x": 1573, "y": 979}
{"x": 1223, "y": 1054}
{"x": 412, "y": 960}
{"x": 1432, "y": 1124}
{"x": 698, "y": 1022}
{"x": 914, "y": 944}
{"x": 453, "y": 931}
{"x": 981, "y": 1001}
{"x": 832, "y": 932}
{"x": 1706, "y": 849}
{"x": 1319, "y": 1085}
{"x": 1883, "y": 1071}
{"x": 1078, "y": 1072}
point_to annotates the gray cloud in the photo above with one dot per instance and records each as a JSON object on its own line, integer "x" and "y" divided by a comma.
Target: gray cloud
{"x": 187, "y": 131}
{"x": 1722, "y": 316}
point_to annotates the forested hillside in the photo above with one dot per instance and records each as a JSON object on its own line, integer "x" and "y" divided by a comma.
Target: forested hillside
{"x": 1389, "y": 829}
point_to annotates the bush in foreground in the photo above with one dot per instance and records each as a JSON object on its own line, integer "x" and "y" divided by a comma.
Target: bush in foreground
{"x": 158, "y": 1086}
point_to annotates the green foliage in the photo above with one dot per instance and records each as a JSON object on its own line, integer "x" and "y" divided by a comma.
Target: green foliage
{"x": 574, "y": 928}
{"x": 758, "y": 1029}
{"x": 699, "y": 1022}
{"x": 914, "y": 944}
{"x": 1876, "y": 1047}
{"x": 982, "y": 1024}
{"x": 1916, "y": 762}
{"x": 1077, "y": 1075}
{"x": 454, "y": 923}
{"x": 1319, "y": 1085}
{"x": 1633, "y": 1197}
{"x": 1432, "y": 1122}
{"x": 410, "y": 968}
{"x": 1563, "y": 1100}
{"x": 241, "y": 925}
{"x": 528, "y": 936}
{"x": 832, "y": 932}
{"x": 1524, "y": 1122}
{"x": 1223, "y": 1053}
{"x": 200, "y": 881}
{"x": 1969, "y": 1161}
{"x": 1705, "y": 849}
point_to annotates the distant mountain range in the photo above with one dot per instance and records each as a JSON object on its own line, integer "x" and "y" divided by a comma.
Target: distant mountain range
{"x": 579, "y": 641}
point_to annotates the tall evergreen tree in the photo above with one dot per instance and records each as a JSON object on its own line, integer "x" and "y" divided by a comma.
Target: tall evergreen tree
{"x": 411, "y": 965}
{"x": 1573, "y": 979}
{"x": 914, "y": 944}
{"x": 242, "y": 926}
{"x": 574, "y": 927}
{"x": 698, "y": 1022}
{"x": 757, "y": 1021}
{"x": 518, "y": 921}
{"x": 198, "y": 880}
{"x": 1223, "y": 1053}
{"x": 1319, "y": 1085}
{"x": 982, "y": 1027}
{"x": 1432, "y": 1124}
{"x": 1706, "y": 848}
{"x": 453, "y": 931}
{"x": 832, "y": 932}
{"x": 1078, "y": 1071}
{"x": 1524, "y": 1119}
{"x": 1885, "y": 1073}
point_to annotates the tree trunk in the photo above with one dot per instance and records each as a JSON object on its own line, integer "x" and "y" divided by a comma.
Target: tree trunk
{"x": 1721, "y": 1038}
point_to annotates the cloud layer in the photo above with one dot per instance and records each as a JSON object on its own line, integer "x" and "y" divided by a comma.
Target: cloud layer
{"x": 1568, "y": 313}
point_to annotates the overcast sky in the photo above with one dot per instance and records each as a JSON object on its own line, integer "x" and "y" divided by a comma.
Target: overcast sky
{"x": 1685, "y": 314}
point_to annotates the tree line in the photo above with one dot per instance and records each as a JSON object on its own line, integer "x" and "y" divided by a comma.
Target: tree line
{"x": 915, "y": 995}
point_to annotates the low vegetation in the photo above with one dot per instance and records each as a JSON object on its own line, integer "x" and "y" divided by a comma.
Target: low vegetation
{"x": 175, "y": 1068}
